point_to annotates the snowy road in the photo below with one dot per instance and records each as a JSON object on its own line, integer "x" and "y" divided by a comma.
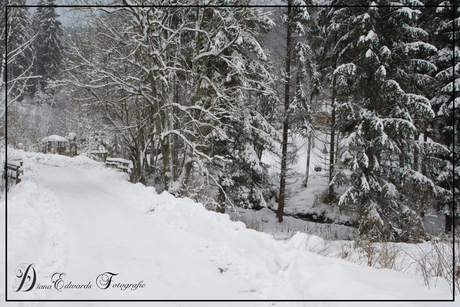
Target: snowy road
{"x": 106, "y": 235}
{"x": 108, "y": 239}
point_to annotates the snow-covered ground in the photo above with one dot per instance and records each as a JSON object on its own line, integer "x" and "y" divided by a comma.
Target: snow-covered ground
{"x": 73, "y": 216}
{"x": 265, "y": 220}
{"x": 306, "y": 201}
{"x": 301, "y": 200}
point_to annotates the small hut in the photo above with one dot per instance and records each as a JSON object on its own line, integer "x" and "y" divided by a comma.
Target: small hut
{"x": 55, "y": 144}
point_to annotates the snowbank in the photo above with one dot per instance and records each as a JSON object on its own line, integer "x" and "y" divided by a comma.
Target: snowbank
{"x": 286, "y": 270}
{"x": 62, "y": 161}
{"x": 36, "y": 228}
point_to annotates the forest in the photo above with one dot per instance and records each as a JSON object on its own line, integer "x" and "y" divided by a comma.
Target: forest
{"x": 197, "y": 92}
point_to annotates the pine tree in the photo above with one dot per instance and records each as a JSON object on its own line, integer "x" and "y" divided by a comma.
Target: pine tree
{"x": 442, "y": 23}
{"x": 244, "y": 178}
{"x": 380, "y": 56}
{"x": 48, "y": 45}
{"x": 20, "y": 32}
{"x": 17, "y": 57}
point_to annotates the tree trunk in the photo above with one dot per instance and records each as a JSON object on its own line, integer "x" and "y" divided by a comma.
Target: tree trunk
{"x": 448, "y": 223}
{"x": 165, "y": 152}
{"x": 308, "y": 161}
{"x": 424, "y": 162}
{"x": 332, "y": 145}
{"x": 282, "y": 193}
{"x": 175, "y": 139}
{"x": 336, "y": 153}
{"x": 416, "y": 164}
{"x": 221, "y": 201}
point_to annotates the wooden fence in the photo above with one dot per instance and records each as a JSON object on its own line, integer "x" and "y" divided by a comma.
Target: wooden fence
{"x": 13, "y": 171}
{"x": 121, "y": 164}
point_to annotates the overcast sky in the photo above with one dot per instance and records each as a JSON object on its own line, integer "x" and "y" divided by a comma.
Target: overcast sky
{"x": 66, "y": 16}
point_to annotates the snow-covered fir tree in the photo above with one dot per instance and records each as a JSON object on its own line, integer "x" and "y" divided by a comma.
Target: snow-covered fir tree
{"x": 442, "y": 23}
{"x": 17, "y": 57}
{"x": 243, "y": 177}
{"x": 20, "y": 52}
{"x": 48, "y": 45}
{"x": 381, "y": 57}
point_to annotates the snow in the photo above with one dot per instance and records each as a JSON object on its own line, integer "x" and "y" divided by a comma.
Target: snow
{"x": 346, "y": 69}
{"x": 442, "y": 6}
{"x": 265, "y": 220}
{"x": 74, "y": 216}
{"x": 371, "y": 36}
{"x": 417, "y": 46}
{"x": 55, "y": 138}
{"x": 369, "y": 53}
{"x": 407, "y": 11}
{"x": 385, "y": 51}
{"x": 453, "y": 86}
{"x": 119, "y": 160}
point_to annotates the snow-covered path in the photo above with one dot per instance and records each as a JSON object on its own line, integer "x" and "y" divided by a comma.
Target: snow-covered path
{"x": 75, "y": 217}
{"x": 105, "y": 235}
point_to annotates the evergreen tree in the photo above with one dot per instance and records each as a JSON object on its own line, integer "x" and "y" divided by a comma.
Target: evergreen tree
{"x": 382, "y": 62}
{"x": 48, "y": 45}
{"x": 17, "y": 57}
{"x": 20, "y": 32}
{"x": 442, "y": 23}
{"x": 243, "y": 177}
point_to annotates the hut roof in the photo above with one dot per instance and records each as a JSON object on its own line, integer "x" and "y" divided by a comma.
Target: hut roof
{"x": 55, "y": 138}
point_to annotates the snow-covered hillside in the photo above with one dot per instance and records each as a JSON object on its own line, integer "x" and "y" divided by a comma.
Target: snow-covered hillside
{"x": 73, "y": 216}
